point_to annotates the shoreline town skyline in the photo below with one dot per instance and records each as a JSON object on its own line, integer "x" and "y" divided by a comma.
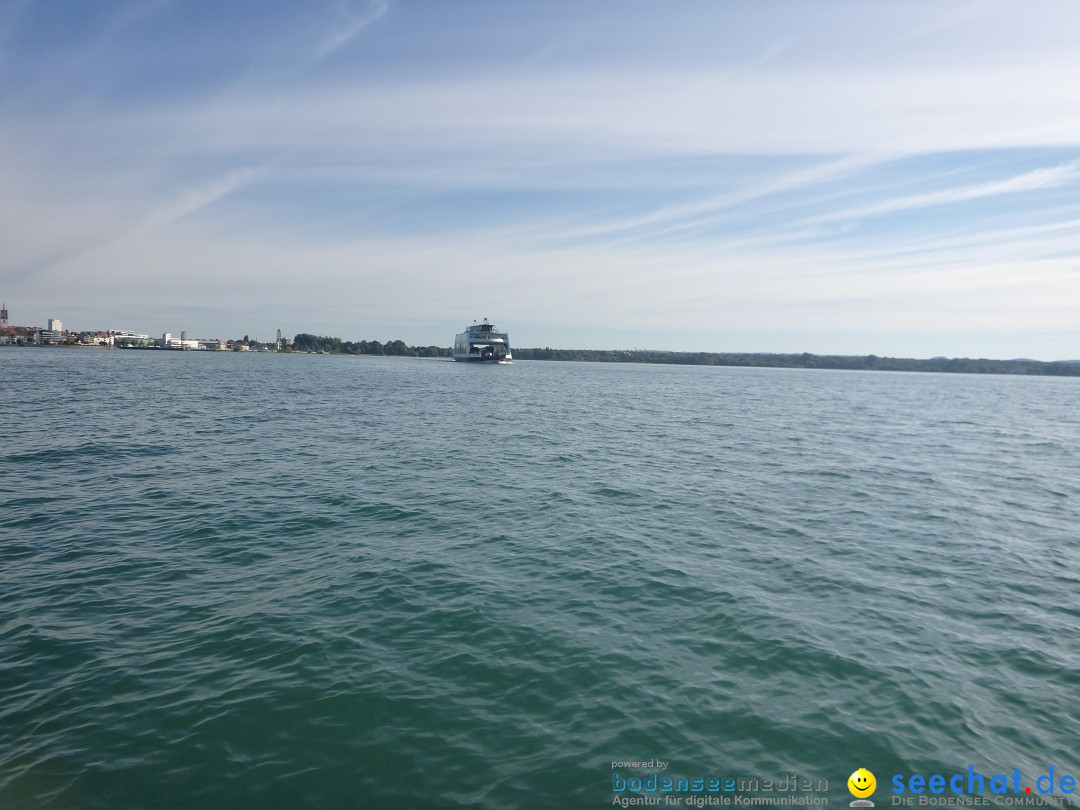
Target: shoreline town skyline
{"x": 56, "y": 335}
{"x": 543, "y": 338}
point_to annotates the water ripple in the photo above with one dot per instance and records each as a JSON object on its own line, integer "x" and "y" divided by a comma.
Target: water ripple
{"x": 352, "y": 597}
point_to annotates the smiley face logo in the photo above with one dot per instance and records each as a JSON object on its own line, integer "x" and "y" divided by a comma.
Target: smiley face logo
{"x": 861, "y": 783}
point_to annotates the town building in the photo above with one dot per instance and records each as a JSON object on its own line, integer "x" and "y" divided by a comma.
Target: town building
{"x": 122, "y": 338}
{"x": 99, "y": 338}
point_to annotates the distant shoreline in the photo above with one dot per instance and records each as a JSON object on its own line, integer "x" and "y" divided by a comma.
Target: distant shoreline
{"x": 870, "y": 362}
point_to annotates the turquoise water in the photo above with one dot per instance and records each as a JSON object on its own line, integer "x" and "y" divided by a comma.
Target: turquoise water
{"x": 315, "y": 581}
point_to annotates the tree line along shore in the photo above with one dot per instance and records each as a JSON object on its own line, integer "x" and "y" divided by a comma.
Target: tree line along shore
{"x": 870, "y": 362}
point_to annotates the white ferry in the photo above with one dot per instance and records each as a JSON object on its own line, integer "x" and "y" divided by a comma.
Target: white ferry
{"x": 482, "y": 343}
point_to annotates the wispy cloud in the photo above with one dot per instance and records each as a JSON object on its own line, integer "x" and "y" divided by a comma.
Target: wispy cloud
{"x": 1035, "y": 180}
{"x": 354, "y": 17}
{"x": 111, "y": 233}
{"x": 189, "y": 200}
{"x": 770, "y": 111}
{"x": 961, "y": 15}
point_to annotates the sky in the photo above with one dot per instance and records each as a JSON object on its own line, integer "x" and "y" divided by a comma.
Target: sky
{"x": 827, "y": 176}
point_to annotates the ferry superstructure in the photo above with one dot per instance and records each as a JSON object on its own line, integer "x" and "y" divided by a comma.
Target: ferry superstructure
{"x": 482, "y": 343}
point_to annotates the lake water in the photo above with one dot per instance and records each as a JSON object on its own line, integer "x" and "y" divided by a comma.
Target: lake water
{"x": 286, "y": 581}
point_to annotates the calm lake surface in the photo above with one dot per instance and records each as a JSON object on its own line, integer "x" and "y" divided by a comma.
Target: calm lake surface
{"x": 287, "y": 581}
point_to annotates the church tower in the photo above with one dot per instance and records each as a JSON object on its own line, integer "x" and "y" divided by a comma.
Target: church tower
{"x": 3, "y": 314}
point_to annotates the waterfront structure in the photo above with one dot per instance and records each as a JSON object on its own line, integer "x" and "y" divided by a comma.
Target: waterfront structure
{"x": 99, "y": 338}
{"x": 169, "y": 342}
{"x": 36, "y": 336}
{"x": 184, "y": 343}
{"x": 122, "y": 338}
{"x": 21, "y": 335}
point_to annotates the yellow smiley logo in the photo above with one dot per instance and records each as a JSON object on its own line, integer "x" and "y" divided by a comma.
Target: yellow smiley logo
{"x": 861, "y": 783}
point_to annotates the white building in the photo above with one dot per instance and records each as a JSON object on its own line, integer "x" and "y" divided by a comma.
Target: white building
{"x": 123, "y": 338}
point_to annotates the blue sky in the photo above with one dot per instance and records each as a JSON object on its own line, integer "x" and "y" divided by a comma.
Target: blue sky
{"x": 896, "y": 178}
